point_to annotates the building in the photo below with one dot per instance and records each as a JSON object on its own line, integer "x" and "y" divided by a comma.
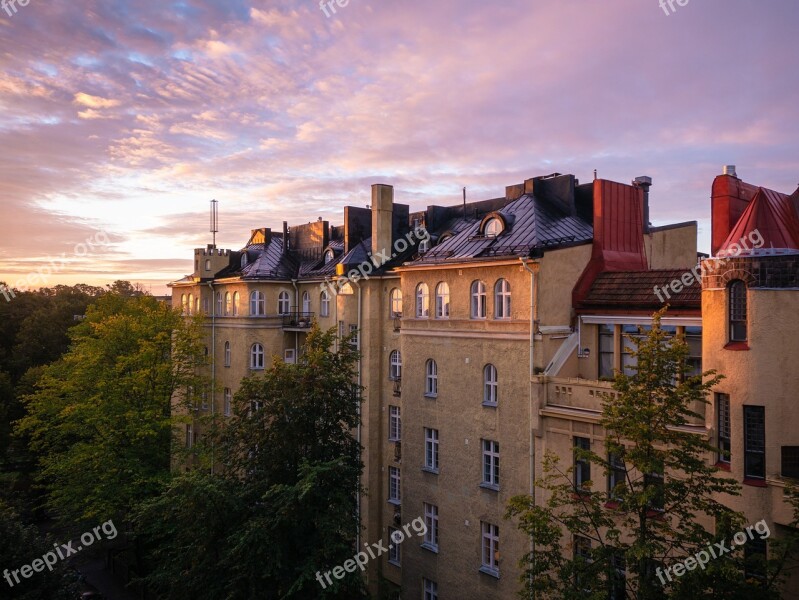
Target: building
{"x": 489, "y": 332}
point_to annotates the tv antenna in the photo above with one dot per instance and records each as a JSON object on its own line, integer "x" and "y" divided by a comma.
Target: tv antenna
{"x": 214, "y": 219}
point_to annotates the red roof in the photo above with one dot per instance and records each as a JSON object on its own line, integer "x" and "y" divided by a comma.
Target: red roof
{"x": 773, "y": 216}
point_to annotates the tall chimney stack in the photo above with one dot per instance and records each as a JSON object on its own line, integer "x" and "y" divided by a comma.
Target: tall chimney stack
{"x": 382, "y": 218}
{"x": 644, "y": 183}
{"x": 285, "y": 236}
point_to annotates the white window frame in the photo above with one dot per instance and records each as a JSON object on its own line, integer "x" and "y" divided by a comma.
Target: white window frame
{"x": 431, "y": 379}
{"x": 502, "y": 299}
{"x": 235, "y": 304}
{"x": 257, "y": 303}
{"x": 228, "y": 401}
{"x": 324, "y": 304}
{"x": 431, "y": 448}
{"x": 395, "y": 366}
{"x": 430, "y": 589}
{"x": 431, "y": 521}
{"x": 394, "y": 556}
{"x": 228, "y": 303}
{"x": 283, "y": 303}
{"x": 442, "y": 300}
{"x": 227, "y": 354}
{"x": 490, "y": 464}
{"x": 395, "y": 303}
{"x": 478, "y": 300}
{"x": 219, "y": 304}
{"x": 394, "y": 424}
{"x": 306, "y": 303}
{"x": 490, "y": 385}
{"x": 257, "y": 358}
{"x": 394, "y": 485}
{"x": 490, "y": 547}
{"x": 422, "y": 301}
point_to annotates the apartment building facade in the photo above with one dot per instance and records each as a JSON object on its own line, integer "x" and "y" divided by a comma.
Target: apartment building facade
{"x": 485, "y": 342}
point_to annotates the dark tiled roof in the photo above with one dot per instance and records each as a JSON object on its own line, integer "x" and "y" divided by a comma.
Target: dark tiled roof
{"x": 269, "y": 263}
{"x": 636, "y": 289}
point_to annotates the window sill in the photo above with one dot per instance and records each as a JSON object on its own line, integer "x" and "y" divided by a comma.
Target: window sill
{"x": 490, "y": 404}
{"x": 429, "y": 547}
{"x": 395, "y": 563}
{"x": 434, "y": 396}
{"x": 430, "y": 470}
{"x": 490, "y": 486}
{"x": 755, "y": 482}
{"x": 737, "y": 346}
{"x": 394, "y": 440}
{"x": 490, "y": 572}
{"x": 723, "y": 466}
{"x": 395, "y": 502}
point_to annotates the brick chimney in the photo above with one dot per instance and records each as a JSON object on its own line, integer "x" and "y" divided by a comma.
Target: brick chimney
{"x": 382, "y": 218}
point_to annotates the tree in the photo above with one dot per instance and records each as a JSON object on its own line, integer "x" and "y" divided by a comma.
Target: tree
{"x": 662, "y": 506}
{"x": 284, "y": 507}
{"x": 100, "y": 417}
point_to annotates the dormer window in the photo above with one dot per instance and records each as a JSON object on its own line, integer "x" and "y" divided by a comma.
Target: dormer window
{"x": 493, "y": 227}
{"x": 424, "y": 246}
{"x": 243, "y": 260}
{"x": 329, "y": 256}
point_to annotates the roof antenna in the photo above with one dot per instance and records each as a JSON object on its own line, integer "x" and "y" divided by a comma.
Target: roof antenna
{"x": 594, "y": 174}
{"x": 214, "y": 219}
{"x": 464, "y": 201}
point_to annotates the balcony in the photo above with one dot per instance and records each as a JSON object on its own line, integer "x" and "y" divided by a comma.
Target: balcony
{"x": 298, "y": 321}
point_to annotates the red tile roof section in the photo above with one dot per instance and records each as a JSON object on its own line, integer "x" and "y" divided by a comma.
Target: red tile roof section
{"x": 772, "y": 215}
{"x": 633, "y": 290}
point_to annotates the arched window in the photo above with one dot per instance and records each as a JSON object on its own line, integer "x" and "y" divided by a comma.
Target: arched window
{"x": 324, "y": 304}
{"x": 228, "y": 303}
{"x": 395, "y": 365}
{"x": 235, "y": 304}
{"x": 219, "y": 304}
{"x": 493, "y": 228}
{"x": 243, "y": 259}
{"x": 190, "y": 304}
{"x": 283, "y": 303}
{"x": 502, "y": 299}
{"x": 184, "y": 303}
{"x": 306, "y": 303}
{"x": 737, "y": 311}
{"x": 257, "y": 303}
{"x": 197, "y": 305}
{"x": 490, "y": 385}
{"x": 207, "y": 264}
{"x": 395, "y": 300}
{"x": 329, "y": 256}
{"x": 257, "y": 356}
{"x": 422, "y": 301}
{"x": 478, "y": 300}
{"x": 431, "y": 378}
{"x": 442, "y": 301}
{"x": 227, "y": 354}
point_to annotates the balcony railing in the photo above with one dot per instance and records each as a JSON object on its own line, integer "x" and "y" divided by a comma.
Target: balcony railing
{"x": 298, "y": 320}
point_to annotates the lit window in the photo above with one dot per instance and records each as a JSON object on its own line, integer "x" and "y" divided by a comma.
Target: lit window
{"x": 431, "y": 520}
{"x": 190, "y": 304}
{"x": 283, "y": 303}
{"x": 228, "y": 303}
{"x": 396, "y": 303}
{"x": 490, "y": 547}
{"x": 257, "y": 303}
{"x": 478, "y": 300}
{"x": 394, "y": 424}
{"x": 306, "y": 303}
{"x": 490, "y": 385}
{"x": 490, "y": 463}
{"x": 422, "y": 301}
{"x": 235, "y": 304}
{"x": 394, "y": 492}
{"x": 227, "y": 354}
{"x": 228, "y": 401}
{"x": 324, "y": 304}
{"x": 493, "y": 227}
{"x": 431, "y": 449}
{"x": 442, "y": 301}
{"x": 395, "y": 365}
{"x": 737, "y": 311}
{"x": 197, "y": 305}
{"x": 257, "y": 356}
{"x": 431, "y": 379}
{"x": 502, "y": 299}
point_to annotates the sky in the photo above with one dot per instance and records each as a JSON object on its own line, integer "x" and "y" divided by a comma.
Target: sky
{"x": 121, "y": 120}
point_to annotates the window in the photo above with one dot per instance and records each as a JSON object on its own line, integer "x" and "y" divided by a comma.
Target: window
{"x": 582, "y": 558}
{"x": 617, "y": 475}
{"x": 184, "y": 304}
{"x": 490, "y": 385}
{"x": 354, "y": 333}
{"x": 618, "y": 581}
{"x": 442, "y": 301}
{"x": 219, "y": 304}
{"x": 394, "y": 547}
{"x": 693, "y": 337}
{"x": 190, "y": 304}
{"x": 493, "y": 228}
{"x": 257, "y": 303}
{"x": 228, "y": 401}
{"x": 754, "y": 442}
{"x": 394, "y": 424}
{"x": 737, "y": 310}
{"x": 189, "y": 436}
{"x": 257, "y": 356}
{"x": 582, "y": 466}
{"x": 755, "y": 555}
{"x": 206, "y": 306}
{"x": 655, "y": 489}
{"x": 227, "y": 354}
{"x": 197, "y": 305}
{"x": 723, "y": 427}
{"x": 502, "y": 299}
{"x": 424, "y": 246}
{"x": 228, "y": 303}
{"x": 430, "y": 590}
{"x": 422, "y": 301}
{"x": 431, "y": 379}
{"x": 394, "y": 493}
{"x": 324, "y": 304}
{"x": 790, "y": 462}
{"x": 207, "y": 264}
{"x": 491, "y": 463}
{"x": 243, "y": 259}
{"x": 395, "y": 301}
{"x": 478, "y": 300}
{"x": 606, "y": 351}
{"x": 235, "y": 304}
{"x": 289, "y": 356}
{"x": 306, "y": 303}
{"x": 431, "y": 520}
{"x": 204, "y": 400}
{"x": 283, "y": 303}
{"x": 395, "y": 366}
{"x": 329, "y": 256}
{"x": 431, "y": 449}
{"x": 629, "y": 363}
{"x": 490, "y": 548}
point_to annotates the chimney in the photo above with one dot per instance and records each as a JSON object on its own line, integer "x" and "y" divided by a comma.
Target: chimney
{"x": 285, "y": 236}
{"x": 729, "y": 170}
{"x": 514, "y": 192}
{"x": 645, "y": 183}
{"x": 382, "y": 218}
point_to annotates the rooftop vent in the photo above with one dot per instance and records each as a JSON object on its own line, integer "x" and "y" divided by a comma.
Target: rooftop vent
{"x": 730, "y": 170}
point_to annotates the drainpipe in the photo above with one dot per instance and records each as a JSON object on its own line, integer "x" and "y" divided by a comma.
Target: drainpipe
{"x": 533, "y": 311}
{"x": 358, "y": 347}
{"x": 213, "y": 367}
{"x": 297, "y": 309}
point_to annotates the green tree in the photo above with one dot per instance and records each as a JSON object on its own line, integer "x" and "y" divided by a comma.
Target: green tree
{"x": 284, "y": 507}
{"x": 662, "y": 506}
{"x": 100, "y": 418}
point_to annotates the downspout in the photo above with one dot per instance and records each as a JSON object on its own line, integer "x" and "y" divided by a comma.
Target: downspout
{"x": 213, "y": 367}
{"x": 358, "y": 348}
{"x": 533, "y": 311}
{"x": 297, "y": 310}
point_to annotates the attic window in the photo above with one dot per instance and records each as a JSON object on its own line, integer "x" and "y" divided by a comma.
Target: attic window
{"x": 424, "y": 246}
{"x": 243, "y": 260}
{"x": 493, "y": 227}
{"x": 329, "y": 256}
